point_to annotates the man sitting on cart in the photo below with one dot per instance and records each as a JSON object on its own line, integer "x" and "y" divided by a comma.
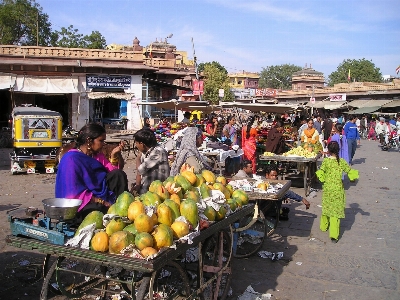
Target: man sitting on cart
{"x": 272, "y": 173}
{"x": 246, "y": 170}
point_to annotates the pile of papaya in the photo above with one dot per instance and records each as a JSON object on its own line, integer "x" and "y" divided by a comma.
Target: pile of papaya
{"x": 166, "y": 212}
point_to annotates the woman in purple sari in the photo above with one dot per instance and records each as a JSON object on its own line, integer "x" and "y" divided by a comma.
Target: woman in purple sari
{"x": 340, "y": 138}
{"x": 85, "y": 173}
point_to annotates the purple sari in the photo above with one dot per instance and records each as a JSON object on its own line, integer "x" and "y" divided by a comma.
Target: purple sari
{"x": 342, "y": 141}
{"x": 80, "y": 176}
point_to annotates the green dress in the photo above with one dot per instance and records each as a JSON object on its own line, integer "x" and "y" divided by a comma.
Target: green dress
{"x": 333, "y": 196}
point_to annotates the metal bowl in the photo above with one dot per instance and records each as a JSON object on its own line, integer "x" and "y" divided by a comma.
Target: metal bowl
{"x": 61, "y": 208}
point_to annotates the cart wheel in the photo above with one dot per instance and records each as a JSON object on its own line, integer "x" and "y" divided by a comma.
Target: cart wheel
{"x": 169, "y": 282}
{"x": 249, "y": 234}
{"x": 74, "y": 279}
{"x": 137, "y": 280}
{"x": 216, "y": 255}
{"x": 271, "y": 212}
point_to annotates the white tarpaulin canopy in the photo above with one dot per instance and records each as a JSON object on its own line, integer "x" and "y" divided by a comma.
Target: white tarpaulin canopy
{"x": 271, "y": 108}
{"x": 46, "y": 85}
{"x": 368, "y": 103}
{"x": 317, "y": 104}
{"x": 172, "y": 104}
{"x": 334, "y": 104}
{"x": 100, "y": 95}
{"x": 205, "y": 109}
{"x": 7, "y": 80}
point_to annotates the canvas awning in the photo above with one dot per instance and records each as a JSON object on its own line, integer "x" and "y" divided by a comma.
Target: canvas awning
{"x": 363, "y": 110}
{"x": 205, "y": 109}
{"x": 172, "y": 104}
{"x": 7, "y": 80}
{"x": 317, "y": 104}
{"x": 368, "y": 103}
{"x": 270, "y": 108}
{"x": 394, "y": 103}
{"x": 334, "y": 105}
{"x": 101, "y": 95}
{"x": 47, "y": 85}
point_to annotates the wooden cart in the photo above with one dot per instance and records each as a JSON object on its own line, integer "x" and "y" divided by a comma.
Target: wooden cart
{"x": 77, "y": 272}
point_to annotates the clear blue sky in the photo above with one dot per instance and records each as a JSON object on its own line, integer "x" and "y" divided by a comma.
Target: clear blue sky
{"x": 247, "y": 34}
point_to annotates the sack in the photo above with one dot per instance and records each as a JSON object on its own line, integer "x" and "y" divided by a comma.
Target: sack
{"x": 217, "y": 145}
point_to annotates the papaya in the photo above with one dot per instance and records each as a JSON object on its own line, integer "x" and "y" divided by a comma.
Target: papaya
{"x": 114, "y": 226}
{"x": 180, "y": 229}
{"x": 174, "y": 208}
{"x": 232, "y": 204}
{"x": 210, "y": 213}
{"x": 218, "y": 186}
{"x": 164, "y": 214}
{"x": 143, "y": 223}
{"x": 183, "y": 182}
{"x": 135, "y": 208}
{"x": 154, "y": 185}
{"x": 150, "y": 199}
{"x": 204, "y": 191}
{"x": 162, "y": 192}
{"x": 241, "y": 196}
{"x": 131, "y": 228}
{"x": 263, "y": 186}
{"x": 192, "y": 195}
{"x": 221, "y": 213}
{"x": 120, "y": 240}
{"x": 229, "y": 188}
{"x": 189, "y": 210}
{"x": 154, "y": 219}
{"x": 143, "y": 240}
{"x": 169, "y": 179}
{"x": 221, "y": 179}
{"x": 99, "y": 242}
{"x": 122, "y": 204}
{"x": 176, "y": 198}
{"x": 148, "y": 251}
{"x": 208, "y": 176}
{"x": 163, "y": 236}
{"x": 190, "y": 176}
{"x": 199, "y": 180}
{"x": 112, "y": 210}
{"x": 93, "y": 217}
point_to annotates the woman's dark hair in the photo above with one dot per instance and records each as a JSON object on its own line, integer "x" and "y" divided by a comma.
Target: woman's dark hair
{"x": 89, "y": 131}
{"x": 333, "y": 148}
{"x": 146, "y": 137}
{"x": 229, "y": 118}
{"x": 339, "y": 128}
{"x": 270, "y": 168}
{"x": 250, "y": 121}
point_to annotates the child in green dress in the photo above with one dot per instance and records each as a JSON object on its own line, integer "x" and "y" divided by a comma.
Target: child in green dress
{"x": 333, "y": 196}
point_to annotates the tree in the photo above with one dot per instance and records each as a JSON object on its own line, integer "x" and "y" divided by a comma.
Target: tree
{"x": 216, "y": 79}
{"x": 276, "y": 77}
{"x": 361, "y": 70}
{"x": 201, "y": 66}
{"x": 22, "y": 22}
{"x": 71, "y": 38}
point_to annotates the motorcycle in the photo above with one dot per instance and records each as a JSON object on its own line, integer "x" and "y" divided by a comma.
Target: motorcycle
{"x": 392, "y": 141}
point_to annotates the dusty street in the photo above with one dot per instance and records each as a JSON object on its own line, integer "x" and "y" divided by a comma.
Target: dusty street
{"x": 364, "y": 264}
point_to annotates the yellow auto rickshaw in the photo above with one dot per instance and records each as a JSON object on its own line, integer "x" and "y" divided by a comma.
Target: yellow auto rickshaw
{"x": 37, "y": 135}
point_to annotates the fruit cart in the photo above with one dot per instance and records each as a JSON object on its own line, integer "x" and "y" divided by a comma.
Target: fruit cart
{"x": 310, "y": 166}
{"x": 250, "y": 231}
{"x": 78, "y": 272}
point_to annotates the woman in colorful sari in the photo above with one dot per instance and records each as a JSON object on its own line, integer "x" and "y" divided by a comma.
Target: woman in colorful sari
{"x": 310, "y": 134}
{"x": 85, "y": 173}
{"x": 249, "y": 135}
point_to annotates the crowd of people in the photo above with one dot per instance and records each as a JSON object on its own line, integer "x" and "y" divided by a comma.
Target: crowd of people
{"x": 86, "y": 173}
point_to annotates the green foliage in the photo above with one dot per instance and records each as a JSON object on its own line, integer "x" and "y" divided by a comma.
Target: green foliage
{"x": 201, "y": 66}
{"x": 71, "y": 38}
{"x": 277, "y": 76}
{"x": 19, "y": 22}
{"x": 216, "y": 79}
{"x": 361, "y": 70}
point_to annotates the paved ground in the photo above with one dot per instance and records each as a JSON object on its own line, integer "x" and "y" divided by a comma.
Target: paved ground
{"x": 364, "y": 264}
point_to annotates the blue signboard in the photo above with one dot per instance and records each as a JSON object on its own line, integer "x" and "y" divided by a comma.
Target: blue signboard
{"x": 108, "y": 81}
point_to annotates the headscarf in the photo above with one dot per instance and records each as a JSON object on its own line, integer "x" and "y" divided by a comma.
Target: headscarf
{"x": 187, "y": 149}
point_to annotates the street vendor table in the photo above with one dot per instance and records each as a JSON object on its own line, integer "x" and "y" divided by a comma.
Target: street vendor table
{"x": 310, "y": 166}
{"x": 218, "y": 156}
{"x": 251, "y": 230}
{"x": 75, "y": 279}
